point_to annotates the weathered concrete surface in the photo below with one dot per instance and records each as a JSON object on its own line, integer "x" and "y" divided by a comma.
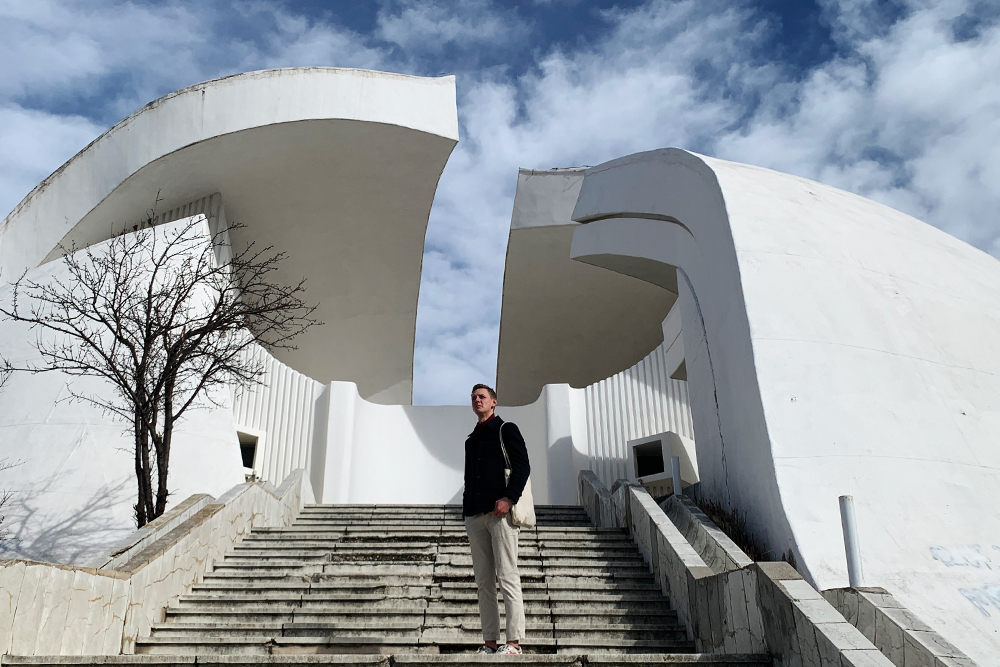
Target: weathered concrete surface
{"x": 832, "y": 346}
{"x": 895, "y": 630}
{"x": 756, "y": 607}
{"x": 345, "y": 167}
{"x": 48, "y": 609}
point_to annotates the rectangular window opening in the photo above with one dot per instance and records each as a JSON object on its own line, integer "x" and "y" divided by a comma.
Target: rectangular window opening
{"x": 248, "y": 449}
{"x": 648, "y": 459}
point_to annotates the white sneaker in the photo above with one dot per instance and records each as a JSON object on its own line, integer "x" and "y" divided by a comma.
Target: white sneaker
{"x": 509, "y": 649}
{"x": 484, "y": 650}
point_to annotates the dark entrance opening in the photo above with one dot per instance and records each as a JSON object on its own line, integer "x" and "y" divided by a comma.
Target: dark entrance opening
{"x": 248, "y": 449}
{"x": 648, "y": 459}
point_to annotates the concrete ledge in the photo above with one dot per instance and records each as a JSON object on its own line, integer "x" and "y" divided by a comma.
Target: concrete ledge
{"x": 752, "y": 608}
{"x": 48, "y": 609}
{"x": 152, "y": 531}
{"x": 897, "y": 632}
{"x": 404, "y": 660}
{"x": 716, "y": 548}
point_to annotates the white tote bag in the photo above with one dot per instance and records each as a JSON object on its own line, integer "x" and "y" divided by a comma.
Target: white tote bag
{"x": 522, "y": 514}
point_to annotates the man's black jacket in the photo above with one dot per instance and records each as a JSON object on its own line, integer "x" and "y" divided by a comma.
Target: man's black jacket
{"x": 484, "y": 466}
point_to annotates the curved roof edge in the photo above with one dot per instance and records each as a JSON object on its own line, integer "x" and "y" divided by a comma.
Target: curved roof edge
{"x": 563, "y": 321}
{"x": 210, "y": 109}
{"x": 337, "y": 168}
{"x": 833, "y": 345}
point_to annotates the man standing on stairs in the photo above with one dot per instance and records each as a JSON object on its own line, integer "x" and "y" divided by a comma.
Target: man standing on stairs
{"x": 489, "y": 494}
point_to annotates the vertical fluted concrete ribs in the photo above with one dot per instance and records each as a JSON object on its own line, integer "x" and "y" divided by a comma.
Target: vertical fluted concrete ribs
{"x": 398, "y": 580}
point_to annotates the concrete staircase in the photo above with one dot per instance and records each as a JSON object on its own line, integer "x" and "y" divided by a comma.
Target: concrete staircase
{"x": 398, "y": 580}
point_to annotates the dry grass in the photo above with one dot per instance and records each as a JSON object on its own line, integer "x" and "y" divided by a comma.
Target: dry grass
{"x": 733, "y": 523}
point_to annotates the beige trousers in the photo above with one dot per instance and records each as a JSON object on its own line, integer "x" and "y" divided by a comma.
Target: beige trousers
{"x": 494, "y": 557}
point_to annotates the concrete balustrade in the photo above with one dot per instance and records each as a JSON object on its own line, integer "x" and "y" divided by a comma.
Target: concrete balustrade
{"x": 905, "y": 639}
{"x": 48, "y": 609}
{"x": 744, "y": 607}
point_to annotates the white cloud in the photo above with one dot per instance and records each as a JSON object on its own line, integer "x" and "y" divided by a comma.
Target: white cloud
{"x": 111, "y": 58}
{"x": 637, "y": 89}
{"x": 908, "y": 117}
{"x": 420, "y": 27}
{"x": 905, "y": 112}
{"x": 31, "y": 142}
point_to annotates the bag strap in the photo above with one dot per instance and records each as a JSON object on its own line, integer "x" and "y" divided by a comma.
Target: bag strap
{"x": 504, "y": 449}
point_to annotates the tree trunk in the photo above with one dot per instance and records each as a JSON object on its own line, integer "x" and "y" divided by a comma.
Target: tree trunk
{"x": 163, "y": 450}
{"x": 140, "y": 503}
{"x": 144, "y": 506}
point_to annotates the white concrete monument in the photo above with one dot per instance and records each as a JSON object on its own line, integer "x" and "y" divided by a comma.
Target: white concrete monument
{"x": 832, "y": 346}
{"x": 809, "y": 342}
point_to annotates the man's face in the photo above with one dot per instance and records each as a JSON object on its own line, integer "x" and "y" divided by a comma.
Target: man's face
{"x": 482, "y": 402}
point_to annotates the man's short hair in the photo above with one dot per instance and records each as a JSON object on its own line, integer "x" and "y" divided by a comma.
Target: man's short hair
{"x": 488, "y": 388}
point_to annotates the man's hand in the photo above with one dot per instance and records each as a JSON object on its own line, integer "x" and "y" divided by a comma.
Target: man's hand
{"x": 502, "y": 507}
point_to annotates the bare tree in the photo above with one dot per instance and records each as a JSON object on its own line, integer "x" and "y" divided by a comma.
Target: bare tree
{"x": 167, "y": 323}
{"x": 5, "y": 463}
{"x": 5, "y": 496}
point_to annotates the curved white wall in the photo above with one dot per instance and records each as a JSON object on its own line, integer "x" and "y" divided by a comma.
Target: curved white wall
{"x": 641, "y": 400}
{"x": 833, "y": 346}
{"x": 74, "y": 490}
{"x": 287, "y": 409}
{"x": 563, "y": 321}
{"x": 345, "y": 164}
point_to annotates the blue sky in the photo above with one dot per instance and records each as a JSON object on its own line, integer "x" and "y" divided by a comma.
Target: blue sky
{"x": 898, "y": 101}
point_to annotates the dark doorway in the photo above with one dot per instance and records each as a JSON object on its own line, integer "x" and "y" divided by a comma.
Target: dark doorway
{"x": 248, "y": 449}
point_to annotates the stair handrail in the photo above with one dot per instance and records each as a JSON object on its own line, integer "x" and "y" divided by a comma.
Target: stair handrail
{"x": 756, "y": 608}
{"x": 79, "y": 610}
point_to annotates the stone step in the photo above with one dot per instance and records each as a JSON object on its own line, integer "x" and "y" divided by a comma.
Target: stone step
{"x": 430, "y": 517}
{"x": 425, "y": 568}
{"x": 256, "y": 604}
{"x": 425, "y": 579}
{"x": 347, "y": 525}
{"x": 443, "y": 597}
{"x": 453, "y": 554}
{"x": 542, "y": 520}
{"x": 441, "y": 540}
{"x": 454, "y": 560}
{"x": 220, "y": 586}
{"x": 466, "y": 632}
{"x": 454, "y": 507}
{"x": 361, "y": 532}
{"x": 451, "y": 551}
{"x": 424, "y": 515}
{"x": 429, "y": 617}
{"x": 458, "y": 545}
{"x": 401, "y": 660}
{"x": 268, "y": 646}
{"x": 248, "y": 548}
{"x": 398, "y": 580}
{"x": 457, "y": 529}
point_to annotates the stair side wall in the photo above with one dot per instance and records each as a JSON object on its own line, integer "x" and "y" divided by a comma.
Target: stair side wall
{"x": 758, "y": 608}
{"x": 49, "y": 609}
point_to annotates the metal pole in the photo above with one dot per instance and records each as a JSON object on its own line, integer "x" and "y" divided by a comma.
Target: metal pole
{"x": 675, "y": 468}
{"x": 855, "y": 574}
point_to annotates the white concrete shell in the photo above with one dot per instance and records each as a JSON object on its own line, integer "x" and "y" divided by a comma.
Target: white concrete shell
{"x": 73, "y": 490}
{"x": 564, "y": 321}
{"x": 833, "y": 346}
{"x": 336, "y": 167}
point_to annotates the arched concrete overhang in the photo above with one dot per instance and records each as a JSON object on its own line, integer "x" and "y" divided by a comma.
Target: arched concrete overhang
{"x": 834, "y": 346}
{"x": 661, "y": 217}
{"x": 563, "y": 321}
{"x": 335, "y": 167}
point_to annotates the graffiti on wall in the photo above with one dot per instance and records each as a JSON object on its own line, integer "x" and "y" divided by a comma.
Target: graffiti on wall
{"x": 967, "y": 555}
{"x": 985, "y": 598}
